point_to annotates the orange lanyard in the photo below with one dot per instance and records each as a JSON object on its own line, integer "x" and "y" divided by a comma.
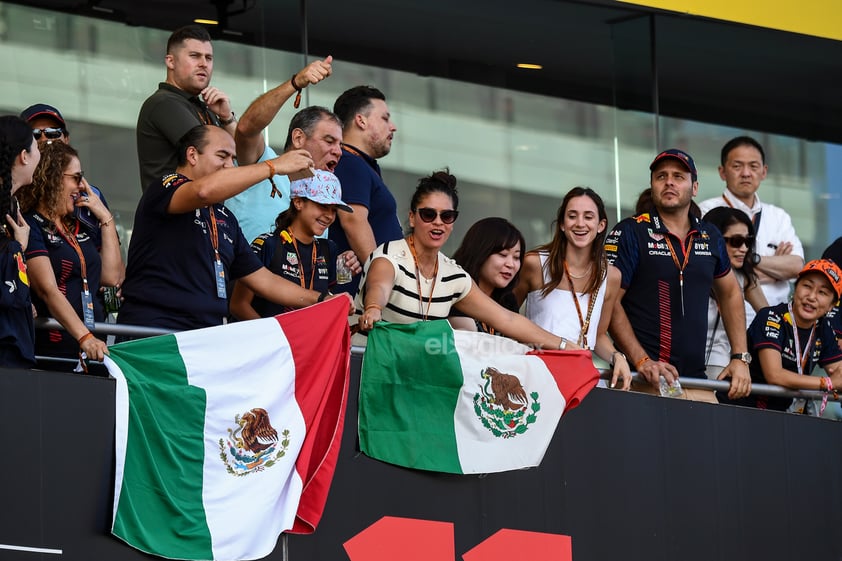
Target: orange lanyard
{"x": 214, "y": 234}
{"x": 418, "y": 280}
{"x": 584, "y": 324}
{"x": 301, "y": 264}
{"x": 801, "y": 360}
{"x": 74, "y": 243}
{"x": 680, "y": 266}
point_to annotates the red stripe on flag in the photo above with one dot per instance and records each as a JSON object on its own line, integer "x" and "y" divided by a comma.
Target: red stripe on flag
{"x": 573, "y": 371}
{"x": 320, "y": 343}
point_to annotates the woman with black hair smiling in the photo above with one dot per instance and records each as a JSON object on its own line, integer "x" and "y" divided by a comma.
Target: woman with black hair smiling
{"x": 410, "y": 280}
{"x": 490, "y": 252}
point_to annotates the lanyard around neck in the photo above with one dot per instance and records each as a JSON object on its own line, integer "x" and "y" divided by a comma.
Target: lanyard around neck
{"x": 418, "y": 281}
{"x": 584, "y": 324}
{"x": 680, "y": 266}
{"x": 70, "y": 238}
{"x": 301, "y": 264}
{"x": 801, "y": 360}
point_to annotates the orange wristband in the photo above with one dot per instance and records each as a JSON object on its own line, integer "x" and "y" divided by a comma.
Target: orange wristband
{"x": 641, "y": 362}
{"x": 85, "y": 337}
{"x": 373, "y": 306}
{"x": 271, "y": 168}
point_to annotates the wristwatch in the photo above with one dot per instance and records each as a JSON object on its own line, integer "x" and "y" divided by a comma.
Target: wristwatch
{"x": 745, "y": 357}
{"x": 228, "y": 121}
{"x": 754, "y": 258}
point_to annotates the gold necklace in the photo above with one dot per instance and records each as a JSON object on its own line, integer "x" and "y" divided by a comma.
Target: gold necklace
{"x": 583, "y": 275}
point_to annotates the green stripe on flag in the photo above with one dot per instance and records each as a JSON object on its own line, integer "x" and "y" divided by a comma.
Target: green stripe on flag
{"x": 402, "y": 418}
{"x": 175, "y": 414}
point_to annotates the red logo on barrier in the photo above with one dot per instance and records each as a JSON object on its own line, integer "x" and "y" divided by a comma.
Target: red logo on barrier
{"x": 410, "y": 539}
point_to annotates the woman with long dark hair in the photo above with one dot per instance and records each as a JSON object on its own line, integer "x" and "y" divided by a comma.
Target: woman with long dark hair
{"x": 19, "y": 157}
{"x": 568, "y": 286}
{"x": 490, "y": 253}
{"x": 738, "y": 233}
{"x": 68, "y": 259}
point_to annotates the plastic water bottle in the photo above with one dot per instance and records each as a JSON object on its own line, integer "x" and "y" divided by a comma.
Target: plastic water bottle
{"x": 670, "y": 390}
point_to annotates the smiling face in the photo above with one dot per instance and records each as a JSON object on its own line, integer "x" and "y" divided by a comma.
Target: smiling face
{"x": 432, "y": 235}
{"x": 190, "y": 66}
{"x": 71, "y": 187}
{"x": 499, "y": 269}
{"x": 581, "y": 222}
{"x": 672, "y": 186}
{"x": 737, "y": 255}
{"x": 25, "y": 166}
{"x": 812, "y": 299}
{"x": 312, "y": 219}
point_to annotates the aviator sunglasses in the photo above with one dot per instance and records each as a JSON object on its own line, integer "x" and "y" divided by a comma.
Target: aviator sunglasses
{"x": 738, "y": 241}
{"x": 49, "y": 133}
{"x": 429, "y": 214}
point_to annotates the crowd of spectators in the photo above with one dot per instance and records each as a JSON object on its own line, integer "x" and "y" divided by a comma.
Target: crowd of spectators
{"x": 228, "y": 230}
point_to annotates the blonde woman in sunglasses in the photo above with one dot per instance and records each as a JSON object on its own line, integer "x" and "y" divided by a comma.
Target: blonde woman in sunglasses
{"x": 738, "y": 232}
{"x": 410, "y": 280}
{"x": 69, "y": 260}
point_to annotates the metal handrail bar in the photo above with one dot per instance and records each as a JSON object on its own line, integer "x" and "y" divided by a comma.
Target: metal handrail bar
{"x": 693, "y": 383}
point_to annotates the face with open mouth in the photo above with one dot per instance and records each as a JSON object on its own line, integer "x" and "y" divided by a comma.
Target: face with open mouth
{"x": 500, "y": 268}
{"x": 581, "y": 222}
{"x": 71, "y": 185}
{"x": 325, "y": 144}
{"x": 812, "y": 299}
{"x": 434, "y": 234}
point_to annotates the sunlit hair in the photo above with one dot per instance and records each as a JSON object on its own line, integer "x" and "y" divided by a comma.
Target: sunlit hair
{"x": 557, "y": 247}
{"x": 307, "y": 119}
{"x": 47, "y": 181}
{"x": 355, "y": 101}
{"x": 482, "y": 240}
{"x": 723, "y": 217}
{"x": 182, "y": 34}
{"x": 15, "y": 137}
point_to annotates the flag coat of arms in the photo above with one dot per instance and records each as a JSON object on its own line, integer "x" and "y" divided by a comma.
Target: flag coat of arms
{"x": 460, "y": 402}
{"x": 228, "y": 436}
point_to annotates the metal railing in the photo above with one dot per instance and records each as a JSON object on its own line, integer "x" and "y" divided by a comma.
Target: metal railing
{"x": 102, "y": 328}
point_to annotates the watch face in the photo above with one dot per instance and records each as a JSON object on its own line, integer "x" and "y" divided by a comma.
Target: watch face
{"x": 745, "y": 357}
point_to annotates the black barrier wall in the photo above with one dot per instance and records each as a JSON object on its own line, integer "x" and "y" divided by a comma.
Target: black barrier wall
{"x": 627, "y": 476}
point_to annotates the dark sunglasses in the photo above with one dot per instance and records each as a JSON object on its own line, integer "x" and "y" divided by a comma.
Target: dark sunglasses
{"x": 49, "y": 133}
{"x": 739, "y": 241}
{"x": 429, "y": 214}
{"x": 76, "y": 176}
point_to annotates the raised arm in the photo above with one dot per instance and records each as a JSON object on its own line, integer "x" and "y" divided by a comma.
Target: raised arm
{"x": 261, "y": 112}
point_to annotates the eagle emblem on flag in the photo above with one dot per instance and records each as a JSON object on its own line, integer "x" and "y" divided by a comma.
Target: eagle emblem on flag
{"x": 502, "y": 404}
{"x": 253, "y": 445}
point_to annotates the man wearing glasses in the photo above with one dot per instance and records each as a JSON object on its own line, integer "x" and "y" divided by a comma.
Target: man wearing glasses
{"x": 779, "y": 255}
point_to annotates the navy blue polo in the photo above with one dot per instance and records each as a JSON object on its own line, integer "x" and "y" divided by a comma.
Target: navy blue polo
{"x": 668, "y": 321}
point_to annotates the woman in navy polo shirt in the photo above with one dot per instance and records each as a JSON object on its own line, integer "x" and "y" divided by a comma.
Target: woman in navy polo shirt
{"x": 66, "y": 264}
{"x": 19, "y": 156}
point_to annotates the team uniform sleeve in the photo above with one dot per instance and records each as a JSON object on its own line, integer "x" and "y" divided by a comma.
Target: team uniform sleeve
{"x": 621, "y": 250}
{"x": 723, "y": 265}
{"x": 830, "y": 352}
{"x": 766, "y": 331}
{"x": 264, "y": 247}
{"x": 36, "y": 246}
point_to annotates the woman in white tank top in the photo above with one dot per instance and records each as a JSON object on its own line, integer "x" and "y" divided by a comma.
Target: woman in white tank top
{"x": 568, "y": 286}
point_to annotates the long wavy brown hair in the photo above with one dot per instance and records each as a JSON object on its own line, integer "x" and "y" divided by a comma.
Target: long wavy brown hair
{"x": 46, "y": 188}
{"x": 557, "y": 247}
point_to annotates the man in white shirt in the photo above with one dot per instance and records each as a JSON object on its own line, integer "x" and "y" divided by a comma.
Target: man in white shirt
{"x": 779, "y": 254}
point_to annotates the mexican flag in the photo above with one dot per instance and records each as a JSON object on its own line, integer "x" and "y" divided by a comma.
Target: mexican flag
{"x": 460, "y": 402}
{"x": 228, "y": 436}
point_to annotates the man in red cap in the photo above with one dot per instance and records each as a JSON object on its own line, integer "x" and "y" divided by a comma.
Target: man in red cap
{"x": 669, "y": 261}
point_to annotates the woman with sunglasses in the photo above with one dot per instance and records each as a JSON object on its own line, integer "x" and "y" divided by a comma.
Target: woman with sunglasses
{"x": 67, "y": 265}
{"x": 19, "y": 156}
{"x": 410, "y": 280}
{"x": 568, "y": 286}
{"x": 490, "y": 252}
{"x": 738, "y": 232}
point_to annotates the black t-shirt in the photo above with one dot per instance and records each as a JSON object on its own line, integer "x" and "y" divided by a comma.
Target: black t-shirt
{"x": 170, "y": 276}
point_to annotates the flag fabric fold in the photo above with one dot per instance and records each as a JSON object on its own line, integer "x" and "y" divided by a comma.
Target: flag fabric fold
{"x": 228, "y": 436}
{"x": 436, "y": 399}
